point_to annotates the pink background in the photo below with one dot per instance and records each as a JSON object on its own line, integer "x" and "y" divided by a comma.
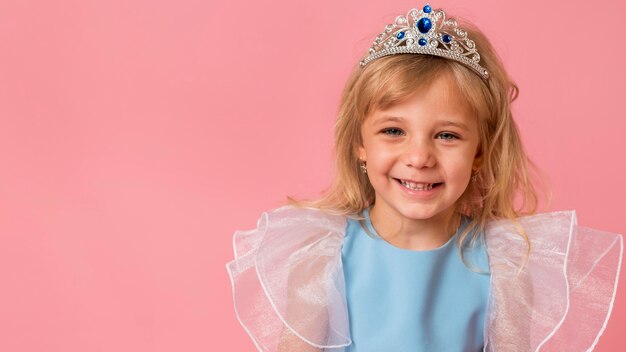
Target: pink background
{"x": 136, "y": 136}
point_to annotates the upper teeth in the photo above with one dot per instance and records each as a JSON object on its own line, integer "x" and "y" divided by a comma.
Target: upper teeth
{"x": 417, "y": 186}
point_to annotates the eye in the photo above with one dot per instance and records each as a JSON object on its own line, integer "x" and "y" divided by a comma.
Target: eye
{"x": 447, "y": 136}
{"x": 392, "y": 131}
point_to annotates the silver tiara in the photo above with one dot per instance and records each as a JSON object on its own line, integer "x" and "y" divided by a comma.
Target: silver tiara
{"x": 427, "y": 31}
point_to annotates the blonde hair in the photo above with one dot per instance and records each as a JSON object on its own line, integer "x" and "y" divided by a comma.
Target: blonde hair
{"x": 504, "y": 175}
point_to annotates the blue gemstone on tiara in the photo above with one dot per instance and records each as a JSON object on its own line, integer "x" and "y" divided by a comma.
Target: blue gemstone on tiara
{"x": 422, "y": 41}
{"x": 446, "y": 38}
{"x": 400, "y": 35}
{"x": 427, "y": 9}
{"x": 424, "y": 25}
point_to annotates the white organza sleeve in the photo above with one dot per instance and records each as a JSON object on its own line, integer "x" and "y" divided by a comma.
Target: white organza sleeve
{"x": 562, "y": 299}
{"x": 288, "y": 283}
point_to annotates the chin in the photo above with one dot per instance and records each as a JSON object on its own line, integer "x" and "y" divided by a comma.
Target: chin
{"x": 421, "y": 214}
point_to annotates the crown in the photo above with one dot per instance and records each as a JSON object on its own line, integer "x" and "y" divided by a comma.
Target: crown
{"x": 427, "y": 31}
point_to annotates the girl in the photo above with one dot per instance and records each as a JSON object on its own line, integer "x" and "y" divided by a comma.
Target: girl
{"x": 419, "y": 245}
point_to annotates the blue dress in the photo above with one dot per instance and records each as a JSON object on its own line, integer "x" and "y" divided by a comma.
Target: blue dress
{"x": 403, "y": 300}
{"x": 306, "y": 279}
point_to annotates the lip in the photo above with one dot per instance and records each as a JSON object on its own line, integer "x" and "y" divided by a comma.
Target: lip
{"x": 410, "y": 180}
{"x": 419, "y": 194}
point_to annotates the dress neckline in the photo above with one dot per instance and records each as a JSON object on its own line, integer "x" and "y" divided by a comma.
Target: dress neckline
{"x": 377, "y": 237}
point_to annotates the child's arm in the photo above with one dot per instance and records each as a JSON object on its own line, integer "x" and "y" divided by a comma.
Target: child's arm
{"x": 291, "y": 343}
{"x": 521, "y": 308}
{"x": 318, "y": 322}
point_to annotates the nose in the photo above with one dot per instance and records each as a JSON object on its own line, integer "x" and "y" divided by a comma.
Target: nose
{"x": 419, "y": 153}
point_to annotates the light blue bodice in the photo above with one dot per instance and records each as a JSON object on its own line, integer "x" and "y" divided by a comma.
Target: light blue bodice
{"x": 403, "y": 300}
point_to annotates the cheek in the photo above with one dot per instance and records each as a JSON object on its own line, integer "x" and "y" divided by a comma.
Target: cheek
{"x": 461, "y": 167}
{"x": 382, "y": 156}
{"x": 378, "y": 162}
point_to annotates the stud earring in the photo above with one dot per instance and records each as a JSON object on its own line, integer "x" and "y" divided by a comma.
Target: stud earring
{"x": 362, "y": 166}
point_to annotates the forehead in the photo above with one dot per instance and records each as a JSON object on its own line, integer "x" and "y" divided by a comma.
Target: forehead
{"x": 439, "y": 99}
{"x": 391, "y": 86}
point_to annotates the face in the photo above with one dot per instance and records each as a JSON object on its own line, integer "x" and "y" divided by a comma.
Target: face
{"x": 420, "y": 152}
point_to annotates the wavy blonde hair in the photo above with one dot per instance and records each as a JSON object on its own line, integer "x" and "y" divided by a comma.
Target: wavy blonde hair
{"x": 503, "y": 188}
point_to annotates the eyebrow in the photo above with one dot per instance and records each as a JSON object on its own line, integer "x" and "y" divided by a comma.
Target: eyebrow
{"x": 389, "y": 118}
{"x": 443, "y": 123}
{"x": 458, "y": 124}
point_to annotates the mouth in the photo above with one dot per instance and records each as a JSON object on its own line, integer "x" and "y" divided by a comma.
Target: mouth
{"x": 418, "y": 186}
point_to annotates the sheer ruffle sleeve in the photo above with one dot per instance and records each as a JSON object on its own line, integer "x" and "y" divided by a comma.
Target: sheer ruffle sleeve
{"x": 561, "y": 300}
{"x": 288, "y": 283}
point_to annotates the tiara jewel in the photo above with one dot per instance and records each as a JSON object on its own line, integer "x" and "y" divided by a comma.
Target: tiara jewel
{"x": 427, "y": 31}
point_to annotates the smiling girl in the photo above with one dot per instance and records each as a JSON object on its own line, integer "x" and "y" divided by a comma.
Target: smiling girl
{"x": 420, "y": 154}
{"x": 418, "y": 244}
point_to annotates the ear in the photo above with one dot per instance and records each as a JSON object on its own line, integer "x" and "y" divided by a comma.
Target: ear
{"x": 360, "y": 152}
{"x": 478, "y": 161}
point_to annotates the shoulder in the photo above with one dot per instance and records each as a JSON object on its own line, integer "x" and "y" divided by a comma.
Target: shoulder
{"x": 551, "y": 233}
{"x": 313, "y": 215}
{"x": 512, "y": 236}
{"x": 291, "y": 229}
{"x": 566, "y": 265}
{"x": 557, "y": 220}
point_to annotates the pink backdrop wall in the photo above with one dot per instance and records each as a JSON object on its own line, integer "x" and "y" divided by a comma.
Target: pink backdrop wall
{"x": 136, "y": 136}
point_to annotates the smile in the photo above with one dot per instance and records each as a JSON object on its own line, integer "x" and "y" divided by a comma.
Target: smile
{"x": 417, "y": 186}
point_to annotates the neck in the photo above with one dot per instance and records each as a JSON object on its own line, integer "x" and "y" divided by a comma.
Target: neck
{"x": 414, "y": 234}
